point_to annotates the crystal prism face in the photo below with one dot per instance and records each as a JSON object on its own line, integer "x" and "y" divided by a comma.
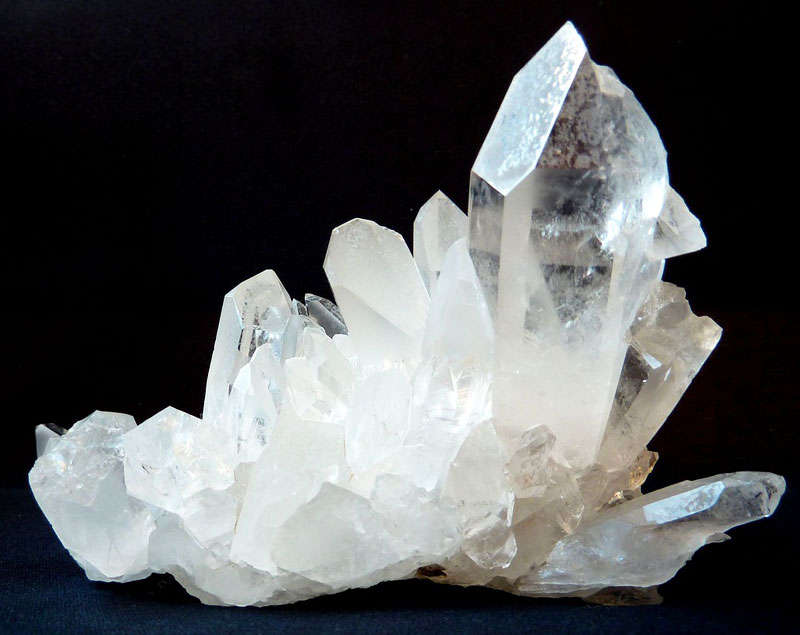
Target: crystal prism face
{"x": 475, "y": 413}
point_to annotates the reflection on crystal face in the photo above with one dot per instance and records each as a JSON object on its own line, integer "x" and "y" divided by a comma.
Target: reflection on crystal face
{"x": 477, "y": 413}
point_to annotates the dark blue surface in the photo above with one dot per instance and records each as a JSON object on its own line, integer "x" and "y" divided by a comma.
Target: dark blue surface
{"x": 43, "y": 590}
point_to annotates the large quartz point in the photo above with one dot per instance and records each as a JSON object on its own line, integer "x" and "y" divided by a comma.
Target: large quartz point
{"x": 645, "y": 541}
{"x": 475, "y": 413}
{"x": 564, "y": 198}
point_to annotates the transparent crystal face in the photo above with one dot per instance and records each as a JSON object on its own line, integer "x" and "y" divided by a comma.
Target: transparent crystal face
{"x": 474, "y": 411}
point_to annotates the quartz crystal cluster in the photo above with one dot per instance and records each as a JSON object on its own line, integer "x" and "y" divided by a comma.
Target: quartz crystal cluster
{"x": 475, "y": 413}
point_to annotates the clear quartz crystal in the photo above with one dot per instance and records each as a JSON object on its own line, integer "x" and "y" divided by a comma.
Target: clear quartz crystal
{"x": 645, "y": 541}
{"x": 562, "y": 211}
{"x": 438, "y": 225}
{"x": 78, "y": 482}
{"x": 379, "y": 291}
{"x": 667, "y": 346}
{"x": 477, "y": 413}
{"x": 677, "y": 230}
{"x": 326, "y": 314}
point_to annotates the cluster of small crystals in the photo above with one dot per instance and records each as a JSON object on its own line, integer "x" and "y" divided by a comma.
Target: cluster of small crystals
{"x": 475, "y": 413}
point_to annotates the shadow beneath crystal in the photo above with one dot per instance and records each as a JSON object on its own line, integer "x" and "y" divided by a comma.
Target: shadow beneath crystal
{"x": 398, "y": 595}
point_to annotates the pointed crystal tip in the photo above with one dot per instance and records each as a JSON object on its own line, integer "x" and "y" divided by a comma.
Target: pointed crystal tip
{"x": 534, "y": 99}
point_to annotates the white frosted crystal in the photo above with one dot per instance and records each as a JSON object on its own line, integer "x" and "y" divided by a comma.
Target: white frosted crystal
{"x": 459, "y": 327}
{"x": 78, "y": 482}
{"x": 174, "y": 456}
{"x": 438, "y": 225}
{"x": 477, "y": 413}
{"x": 379, "y": 290}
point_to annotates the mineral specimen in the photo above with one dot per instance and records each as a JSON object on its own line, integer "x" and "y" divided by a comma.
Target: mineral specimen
{"x": 477, "y": 413}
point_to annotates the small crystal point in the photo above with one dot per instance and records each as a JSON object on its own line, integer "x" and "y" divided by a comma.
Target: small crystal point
{"x": 668, "y": 346}
{"x": 678, "y": 231}
{"x": 44, "y": 433}
{"x": 459, "y": 325}
{"x": 437, "y": 226}
{"x": 254, "y": 313}
{"x": 326, "y": 314}
{"x": 298, "y": 308}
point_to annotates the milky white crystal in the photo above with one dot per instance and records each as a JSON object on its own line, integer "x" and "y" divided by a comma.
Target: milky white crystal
{"x": 475, "y": 413}
{"x": 438, "y": 225}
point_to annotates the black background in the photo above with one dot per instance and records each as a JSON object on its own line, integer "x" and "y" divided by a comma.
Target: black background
{"x": 159, "y": 152}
